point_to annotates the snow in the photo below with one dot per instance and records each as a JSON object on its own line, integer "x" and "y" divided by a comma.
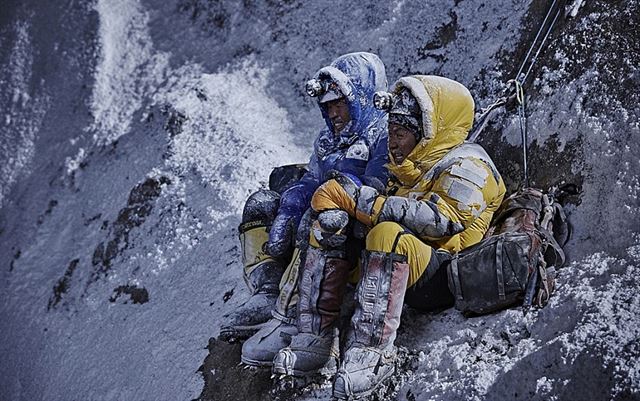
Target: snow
{"x": 600, "y": 289}
{"x": 232, "y": 131}
{"x": 574, "y": 7}
{"x": 186, "y": 110}
{"x": 127, "y": 69}
{"x": 226, "y": 115}
{"x": 73, "y": 163}
{"x": 23, "y": 113}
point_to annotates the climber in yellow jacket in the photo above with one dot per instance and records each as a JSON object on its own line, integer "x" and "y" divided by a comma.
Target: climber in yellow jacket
{"x": 440, "y": 199}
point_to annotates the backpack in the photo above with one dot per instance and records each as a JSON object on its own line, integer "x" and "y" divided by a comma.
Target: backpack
{"x": 516, "y": 261}
{"x": 283, "y": 177}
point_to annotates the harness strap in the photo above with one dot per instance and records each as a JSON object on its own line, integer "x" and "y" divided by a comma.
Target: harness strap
{"x": 551, "y": 241}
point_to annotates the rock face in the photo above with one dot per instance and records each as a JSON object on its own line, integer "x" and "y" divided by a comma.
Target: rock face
{"x": 132, "y": 131}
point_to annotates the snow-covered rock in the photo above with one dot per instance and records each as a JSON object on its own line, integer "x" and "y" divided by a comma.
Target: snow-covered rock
{"x": 132, "y": 131}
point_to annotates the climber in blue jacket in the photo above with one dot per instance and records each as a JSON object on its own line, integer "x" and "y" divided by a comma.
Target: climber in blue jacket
{"x": 354, "y": 141}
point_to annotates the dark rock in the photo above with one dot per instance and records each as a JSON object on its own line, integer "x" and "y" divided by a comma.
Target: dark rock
{"x": 139, "y": 207}
{"x": 225, "y": 379}
{"x": 137, "y": 295}
{"x": 16, "y": 256}
{"x": 227, "y": 295}
{"x": 63, "y": 284}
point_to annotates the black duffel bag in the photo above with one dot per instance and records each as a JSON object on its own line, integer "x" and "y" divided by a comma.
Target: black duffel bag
{"x": 516, "y": 262}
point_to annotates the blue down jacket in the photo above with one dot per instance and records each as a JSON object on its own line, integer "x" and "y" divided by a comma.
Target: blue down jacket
{"x": 360, "y": 149}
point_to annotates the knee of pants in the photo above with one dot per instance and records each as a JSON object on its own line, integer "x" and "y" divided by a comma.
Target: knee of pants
{"x": 392, "y": 237}
{"x": 261, "y": 205}
{"x": 382, "y": 237}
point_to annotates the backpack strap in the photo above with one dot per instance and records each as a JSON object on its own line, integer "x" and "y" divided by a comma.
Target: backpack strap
{"x": 551, "y": 241}
{"x": 559, "y": 214}
{"x": 455, "y": 277}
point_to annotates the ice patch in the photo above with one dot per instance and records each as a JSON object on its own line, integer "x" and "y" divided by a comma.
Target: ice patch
{"x": 24, "y": 115}
{"x": 127, "y": 69}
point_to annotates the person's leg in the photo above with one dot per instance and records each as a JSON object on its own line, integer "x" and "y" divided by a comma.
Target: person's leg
{"x": 394, "y": 259}
{"x": 261, "y": 272}
{"x": 321, "y": 286}
{"x": 431, "y": 291}
{"x": 260, "y": 349}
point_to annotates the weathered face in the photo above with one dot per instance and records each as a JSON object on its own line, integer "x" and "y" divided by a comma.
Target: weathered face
{"x": 338, "y": 112}
{"x": 401, "y": 142}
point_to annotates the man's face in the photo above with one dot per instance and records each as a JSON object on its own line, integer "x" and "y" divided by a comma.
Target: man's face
{"x": 338, "y": 112}
{"x": 401, "y": 142}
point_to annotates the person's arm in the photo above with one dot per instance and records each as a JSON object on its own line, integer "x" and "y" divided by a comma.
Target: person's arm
{"x": 458, "y": 197}
{"x": 366, "y": 159}
{"x": 293, "y": 203}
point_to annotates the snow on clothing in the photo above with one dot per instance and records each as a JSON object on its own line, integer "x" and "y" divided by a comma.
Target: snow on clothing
{"x": 446, "y": 190}
{"x": 446, "y": 193}
{"x": 359, "y": 149}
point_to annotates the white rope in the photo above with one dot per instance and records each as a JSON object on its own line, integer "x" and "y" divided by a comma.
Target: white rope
{"x": 533, "y": 60}
{"x": 535, "y": 40}
{"x": 484, "y": 115}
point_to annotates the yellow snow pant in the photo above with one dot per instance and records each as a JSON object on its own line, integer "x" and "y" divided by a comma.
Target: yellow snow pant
{"x": 391, "y": 237}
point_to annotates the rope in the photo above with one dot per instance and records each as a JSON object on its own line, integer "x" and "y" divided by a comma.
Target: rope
{"x": 522, "y": 117}
{"x": 533, "y": 60}
{"x": 483, "y": 117}
{"x": 535, "y": 40}
{"x": 520, "y": 81}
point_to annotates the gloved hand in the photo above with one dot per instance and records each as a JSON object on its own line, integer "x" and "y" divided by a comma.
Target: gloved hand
{"x": 329, "y": 229}
{"x": 347, "y": 193}
{"x": 283, "y": 229}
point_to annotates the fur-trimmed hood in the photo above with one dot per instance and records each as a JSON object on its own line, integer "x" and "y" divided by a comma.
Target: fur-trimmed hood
{"x": 447, "y": 116}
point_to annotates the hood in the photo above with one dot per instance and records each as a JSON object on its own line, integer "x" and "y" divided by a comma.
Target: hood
{"x": 359, "y": 76}
{"x": 447, "y": 116}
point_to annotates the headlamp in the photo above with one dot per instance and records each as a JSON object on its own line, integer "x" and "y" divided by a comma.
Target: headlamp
{"x": 314, "y": 88}
{"x": 383, "y": 100}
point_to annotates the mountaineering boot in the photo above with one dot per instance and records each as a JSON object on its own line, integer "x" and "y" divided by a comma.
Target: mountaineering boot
{"x": 260, "y": 349}
{"x": 321, "y": 288}
{"x": 276, "y": 334}
{"x": 370, "y": 356}
{"x": 262, "y": 275}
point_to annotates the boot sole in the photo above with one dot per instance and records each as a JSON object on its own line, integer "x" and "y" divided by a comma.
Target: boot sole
{"x": 328, "y": 369}
{"x": 296, "y": 373}
{"x": 256, "y": 363}
{"x": 342, "y": 396}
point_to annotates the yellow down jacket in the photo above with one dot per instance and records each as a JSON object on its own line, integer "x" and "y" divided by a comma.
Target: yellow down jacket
{"x": 454, "y": 186}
